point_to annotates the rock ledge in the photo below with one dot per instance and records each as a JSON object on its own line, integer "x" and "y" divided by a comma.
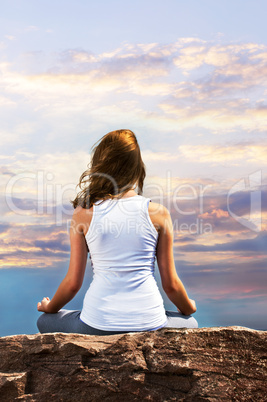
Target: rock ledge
{"x": 206, "y": 364}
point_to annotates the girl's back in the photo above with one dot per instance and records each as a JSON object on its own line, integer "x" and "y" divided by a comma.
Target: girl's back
{"x": 122, "y": 243}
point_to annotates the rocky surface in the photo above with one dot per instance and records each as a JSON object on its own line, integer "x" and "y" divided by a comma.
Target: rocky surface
{"x": 207, "y": 364}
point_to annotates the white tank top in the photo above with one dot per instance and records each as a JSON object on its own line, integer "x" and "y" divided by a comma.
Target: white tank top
{"x": 123, "y": 295}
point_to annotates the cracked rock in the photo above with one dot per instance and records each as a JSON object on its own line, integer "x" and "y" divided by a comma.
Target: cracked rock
{"x": 205, "y": 364}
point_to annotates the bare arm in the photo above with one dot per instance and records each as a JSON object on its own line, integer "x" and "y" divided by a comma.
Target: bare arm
{"x": 171, "y": 283}
{"x": 74, "y": 277}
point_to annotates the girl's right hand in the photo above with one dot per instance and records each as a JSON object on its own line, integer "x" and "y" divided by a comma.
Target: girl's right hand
{"x": 193, "y": 305}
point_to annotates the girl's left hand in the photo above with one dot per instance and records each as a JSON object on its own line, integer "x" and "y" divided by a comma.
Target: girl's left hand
{"x": 43, "y": 305}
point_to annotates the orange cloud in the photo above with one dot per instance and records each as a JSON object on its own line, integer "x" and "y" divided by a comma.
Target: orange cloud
{"x": 218, "y": 213}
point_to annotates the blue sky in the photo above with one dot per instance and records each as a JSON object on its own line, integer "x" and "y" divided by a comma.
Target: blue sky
{"x": 104, "y": 24}
{"x": 189, "y": 78}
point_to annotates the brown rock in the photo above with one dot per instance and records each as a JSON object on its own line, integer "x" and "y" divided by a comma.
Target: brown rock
{"x": 207, "y": 364}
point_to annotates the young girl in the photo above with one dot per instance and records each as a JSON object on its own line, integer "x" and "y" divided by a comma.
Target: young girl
{"x": 124, "y": 233}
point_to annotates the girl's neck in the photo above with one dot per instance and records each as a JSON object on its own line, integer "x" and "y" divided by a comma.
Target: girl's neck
{"x": 130, "y": 193}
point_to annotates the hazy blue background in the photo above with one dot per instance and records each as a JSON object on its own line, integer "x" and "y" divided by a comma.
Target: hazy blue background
{"x": 20, "y": 290}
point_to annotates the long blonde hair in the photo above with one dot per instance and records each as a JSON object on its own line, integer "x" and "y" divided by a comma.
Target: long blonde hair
{"x": 116, "y": 166}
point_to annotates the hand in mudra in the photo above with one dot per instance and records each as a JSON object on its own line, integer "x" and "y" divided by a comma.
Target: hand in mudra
{"x": 42, "y": 306}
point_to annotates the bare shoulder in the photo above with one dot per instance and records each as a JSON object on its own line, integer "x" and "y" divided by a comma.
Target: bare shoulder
{"x": 158, "y": 209}
{"x": 159, "y": 215}
{"x": 80, "y": 212}
{"x": 81, "y": 219}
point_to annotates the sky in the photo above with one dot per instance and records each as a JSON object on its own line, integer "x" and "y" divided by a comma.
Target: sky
{"x": 189, "y": 78}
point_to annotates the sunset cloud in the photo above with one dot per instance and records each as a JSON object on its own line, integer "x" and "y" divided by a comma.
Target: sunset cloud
{"x": 255, "y": 245}
{"x": 233, "y": 153}
{"x": 213, "y": 98}
{"x": 32, "y": 246}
